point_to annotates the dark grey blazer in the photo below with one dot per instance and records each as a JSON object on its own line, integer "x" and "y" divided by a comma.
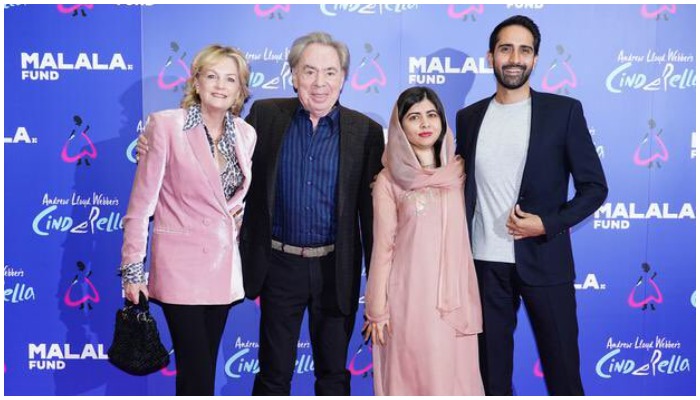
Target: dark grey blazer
{"x": 361, "y": 148}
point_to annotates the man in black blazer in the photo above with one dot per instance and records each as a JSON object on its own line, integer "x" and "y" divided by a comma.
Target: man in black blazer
{"x": 520, "y": 149}
{"x": 308, "y": 218}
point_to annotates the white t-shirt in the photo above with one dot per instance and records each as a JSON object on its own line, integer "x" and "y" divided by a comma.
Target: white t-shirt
{"x": 501, "y": 150}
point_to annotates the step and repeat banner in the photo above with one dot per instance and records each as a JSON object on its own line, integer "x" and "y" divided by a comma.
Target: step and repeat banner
{"x": 81, "y": 79}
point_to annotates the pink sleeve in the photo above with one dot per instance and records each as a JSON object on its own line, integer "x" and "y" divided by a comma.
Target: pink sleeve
{"x": 144, "y": 193}
{"x": 385, "y": 221}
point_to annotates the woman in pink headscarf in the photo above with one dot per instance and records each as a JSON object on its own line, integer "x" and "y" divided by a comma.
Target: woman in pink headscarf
{"x": 422, "y": 300}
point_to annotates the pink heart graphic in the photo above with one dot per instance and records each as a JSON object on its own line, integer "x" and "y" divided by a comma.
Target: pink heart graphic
{"x": 646, "y": 13}
{"x": 351, "y": 367}
{"x": 90, "y": 152}
{"x": 381, "y": 81}
{"x": 67, "y": 10}
{"x": 537, "y": 369}
{"x": 71, "y": 303}
{"x": 264, "y": 13}
{"x": 662, "y": 155}
{"x": 169, "y": 85}
{"x": 554, "y": 87}
{"x": 474, "y": 8}
{"x": 659, "y": 298}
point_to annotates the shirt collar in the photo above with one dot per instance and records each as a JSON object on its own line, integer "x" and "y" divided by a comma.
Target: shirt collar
{"x": 194, "y": 118}
{"x": 333, "y": 114}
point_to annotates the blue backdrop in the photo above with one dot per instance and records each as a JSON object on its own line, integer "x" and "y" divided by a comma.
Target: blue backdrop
{"x": 81, "y": 79}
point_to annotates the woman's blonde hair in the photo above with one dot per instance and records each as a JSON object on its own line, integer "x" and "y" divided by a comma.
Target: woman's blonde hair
{"x": 209, "y": 56}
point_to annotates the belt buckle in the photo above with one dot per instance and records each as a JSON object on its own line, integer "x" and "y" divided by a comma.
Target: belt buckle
{"x": 302, "y": 252}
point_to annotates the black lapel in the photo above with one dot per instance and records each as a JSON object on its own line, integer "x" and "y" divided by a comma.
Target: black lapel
{"x": 348, "y": 155}
{"x": 475, "y": 127}
{"x": 535, "y": 130}
{"x": 279, "y": 124}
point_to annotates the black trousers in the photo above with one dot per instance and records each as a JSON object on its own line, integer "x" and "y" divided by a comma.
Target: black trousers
{"x": 552, "y": 313}
{"x": 292, "y": 285}
{"x": 196, "y": 332}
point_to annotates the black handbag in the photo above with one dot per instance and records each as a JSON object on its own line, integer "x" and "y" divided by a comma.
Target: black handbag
{"x": 136, "y": 348}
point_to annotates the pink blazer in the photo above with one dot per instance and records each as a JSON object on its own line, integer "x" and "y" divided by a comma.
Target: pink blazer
{"x": 194, "y": 246}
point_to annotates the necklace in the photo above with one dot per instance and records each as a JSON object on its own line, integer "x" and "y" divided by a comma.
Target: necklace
{"x": 213, "y": 143}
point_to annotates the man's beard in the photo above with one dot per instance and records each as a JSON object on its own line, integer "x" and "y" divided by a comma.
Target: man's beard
{"x": 512, "y": 82}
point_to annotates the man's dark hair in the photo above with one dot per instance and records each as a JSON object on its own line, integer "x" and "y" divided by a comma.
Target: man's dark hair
{"x": 521, "y": 20}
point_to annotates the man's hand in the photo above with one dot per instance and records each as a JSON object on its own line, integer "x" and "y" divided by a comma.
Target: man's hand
{"x": 141, "y": 147}
{"x": 523, "y": 225}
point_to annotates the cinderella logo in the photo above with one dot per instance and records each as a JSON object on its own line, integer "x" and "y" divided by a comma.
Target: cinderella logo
{"x": 651, "y": 292}
{"x": 657, "y": 149}
{"x": 271, "y": 10}
{"x": 86, "y": 291}
{"x": 537, "y": 369}
{"x": 369, "y": 75}
{"x": 79, "y": 144}
{"x": 361, "y": 362}
{"x": 73, "y": 9}
{"x": 182, "y": 71}
{"x": 657, "y": 11}
{"x": 464, "y": 11}
{"x": 169, "y": 372}
{"x": 560, "y": 76}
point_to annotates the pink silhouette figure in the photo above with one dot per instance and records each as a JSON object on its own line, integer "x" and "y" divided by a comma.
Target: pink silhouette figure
{"x": 361, "y": 355}
{"x": 182, "y": 76}
{"x": 270, "y": 11}
{"x": 537, "y": 369}
{"x": 569, "y": 81}
{"x": 654, "y": 140}
{"x": 663, "y": 9}
{"x": 65, "y": 9}
{"x": 86, "y": 150}
{"x": 169, "y": 372}
{"x": 91, "y": 295}
{"x": 376, "y": 73}
{"x": 468, "y": 11}
{"x": 656, "y": 297}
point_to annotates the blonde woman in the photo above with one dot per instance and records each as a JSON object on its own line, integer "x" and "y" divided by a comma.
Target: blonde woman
{"x": 192, "y": 180}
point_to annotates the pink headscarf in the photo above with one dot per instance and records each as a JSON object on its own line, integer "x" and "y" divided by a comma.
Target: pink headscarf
{"x": 456, "y": 301}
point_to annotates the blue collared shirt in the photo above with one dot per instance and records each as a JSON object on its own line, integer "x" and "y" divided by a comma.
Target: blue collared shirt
{"x": 307, "y": 180}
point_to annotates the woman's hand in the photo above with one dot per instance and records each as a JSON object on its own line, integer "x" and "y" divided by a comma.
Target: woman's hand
{"x": 141, "y": 147}
{"x": 380, "y": 332}
{"x": 131, "y": 290}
